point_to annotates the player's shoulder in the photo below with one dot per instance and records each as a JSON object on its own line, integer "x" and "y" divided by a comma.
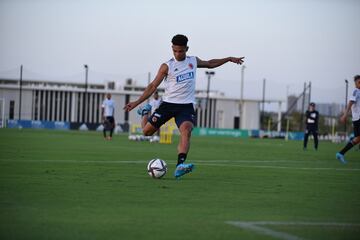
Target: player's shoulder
{"x": 356, "y": 92}
{"x": 192, "y": 58}
{"x": 171, "y": 60}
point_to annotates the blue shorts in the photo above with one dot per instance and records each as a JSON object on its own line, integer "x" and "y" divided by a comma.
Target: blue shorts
{"x": 166, "y": 111}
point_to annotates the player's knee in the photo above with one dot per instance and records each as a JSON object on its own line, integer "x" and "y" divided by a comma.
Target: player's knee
{"x": 356, "y": 140}
{"x": 147, "y": 132}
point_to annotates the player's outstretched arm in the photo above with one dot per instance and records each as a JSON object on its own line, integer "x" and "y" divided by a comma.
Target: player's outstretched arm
{"x": 213, "y": 63}
{"x": 150, "y": 89}
{"x": 346, "y": 112}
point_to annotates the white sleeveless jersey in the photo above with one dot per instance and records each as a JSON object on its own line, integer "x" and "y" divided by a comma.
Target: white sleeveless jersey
{"x": 180, "y": 81}
{"x": 355, "y": 109}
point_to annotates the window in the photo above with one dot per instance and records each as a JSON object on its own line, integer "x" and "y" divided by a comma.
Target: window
{"x": 12, "y": 109}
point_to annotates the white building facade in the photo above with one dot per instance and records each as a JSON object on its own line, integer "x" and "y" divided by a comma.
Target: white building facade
{"x": 71, "y": 102}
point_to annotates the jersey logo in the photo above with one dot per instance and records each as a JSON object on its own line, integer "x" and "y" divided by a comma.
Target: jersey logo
{"x": 175, "y": 70}
{"x": 154, "y": 119}
{"x": 191, "y": 66}
{"x": 185, "y": 76}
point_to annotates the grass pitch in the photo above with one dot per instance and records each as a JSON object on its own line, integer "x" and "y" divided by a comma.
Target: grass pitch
{"x": 75, "y": 185}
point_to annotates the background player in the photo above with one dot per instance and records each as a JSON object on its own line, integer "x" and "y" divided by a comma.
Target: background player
{"x": 107, "y": 112}
{"x": 312, "y": 122}
{"x": 155, "y": 102}
{"x": 354, "y": 106}
{"x": 179, "y": 97}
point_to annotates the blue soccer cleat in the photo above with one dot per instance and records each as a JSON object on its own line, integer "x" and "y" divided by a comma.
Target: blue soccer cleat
{"x": 144, "y": 110}
{"x": 183, "y": 169}
{"x": 341, "y": 158}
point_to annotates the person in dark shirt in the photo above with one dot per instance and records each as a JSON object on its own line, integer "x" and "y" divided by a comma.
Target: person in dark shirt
{"x": 312, "y": 120}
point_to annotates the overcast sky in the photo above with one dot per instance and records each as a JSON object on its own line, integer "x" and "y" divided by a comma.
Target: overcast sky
{"x": 287, "y": 42}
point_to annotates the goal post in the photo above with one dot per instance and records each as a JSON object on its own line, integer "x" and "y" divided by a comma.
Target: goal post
{"x": 2, "y": 112}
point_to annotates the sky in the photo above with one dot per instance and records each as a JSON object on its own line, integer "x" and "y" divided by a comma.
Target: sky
{"x": 286, "y": 42}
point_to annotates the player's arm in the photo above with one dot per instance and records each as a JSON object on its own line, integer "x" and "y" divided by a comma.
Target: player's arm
{"x": 307, "y": 115}
{"x": 214, "y": 63}
{"x": 102, "y": 111}
{"x": 346, "y": 112}
{"x": 150, "y": 89}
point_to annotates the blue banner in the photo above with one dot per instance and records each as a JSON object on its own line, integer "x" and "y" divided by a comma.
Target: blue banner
{"x": 38, "y": 124}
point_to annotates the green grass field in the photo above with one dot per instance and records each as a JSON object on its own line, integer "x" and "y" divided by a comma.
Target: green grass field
{"x": 75, "y": 185}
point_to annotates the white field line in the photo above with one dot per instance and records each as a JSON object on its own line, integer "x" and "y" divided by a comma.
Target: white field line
{"x": 264, "y": 231}
{"x": 143, "y": 161}
{"x": 201, "y": 163}
{"x": 282, "y": 167}
{"x": 259, "y": 227}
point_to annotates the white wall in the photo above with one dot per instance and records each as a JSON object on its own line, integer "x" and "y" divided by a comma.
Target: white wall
{"x": 226, "y": 109}
{"x": 251, "y": 115}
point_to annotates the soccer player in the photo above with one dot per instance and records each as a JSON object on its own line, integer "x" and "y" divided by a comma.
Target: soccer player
{"x": 354, "y": 105}
{"x": 179, "y": 75}
{"x": 155, "y": 102}
{"x": 107, "y": 112}
{"x": 312, "y": 120}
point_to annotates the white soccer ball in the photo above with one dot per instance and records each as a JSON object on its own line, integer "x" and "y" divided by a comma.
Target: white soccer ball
{"x": 157, "y": 168}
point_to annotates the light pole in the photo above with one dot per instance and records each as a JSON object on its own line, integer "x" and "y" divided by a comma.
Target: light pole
{"x": 208, "y": 74}
{"x": 263, "y": 103}
{"x": 20, "y": 92}
{"x": 241, "y": 94}
{"x": 346, "y": 99}
{"x": 85, "y": 92}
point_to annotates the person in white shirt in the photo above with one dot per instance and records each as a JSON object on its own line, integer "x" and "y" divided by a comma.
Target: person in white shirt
{"x": 179, "y": 75}
{"x": 107, "y": 112}
{"x": 155, "y": 102}
{"x": 354, "y": 106}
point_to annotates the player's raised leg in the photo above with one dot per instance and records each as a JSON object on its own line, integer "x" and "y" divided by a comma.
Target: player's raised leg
{"x": 149, "y": 129}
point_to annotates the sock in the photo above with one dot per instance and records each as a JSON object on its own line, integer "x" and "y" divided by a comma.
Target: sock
{"x": 104, "y": 131}
{"x": 348, "y": 146}
{"x": 111, "y": 132}
{"x": 181, "y": 158}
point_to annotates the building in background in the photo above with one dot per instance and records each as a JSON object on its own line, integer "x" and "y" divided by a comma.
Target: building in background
{"x": 325, "y": 109}
{"x": 77, "y": 104}
{"x": 330, "y": 109}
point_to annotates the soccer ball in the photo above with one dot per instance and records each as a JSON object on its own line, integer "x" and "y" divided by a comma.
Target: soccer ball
{"x": 157, "y": 168}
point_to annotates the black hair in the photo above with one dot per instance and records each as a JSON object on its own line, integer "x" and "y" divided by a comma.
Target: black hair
{"x": 179, "y": 40}
{"x": 312, "y": 104}
{"x": 357, "y": 77}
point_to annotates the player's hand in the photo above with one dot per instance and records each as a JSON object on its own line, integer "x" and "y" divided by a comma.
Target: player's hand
{"x": 130, "y": 106}
{"x": 239, "y": 60}
{"x": 343, "y": 118}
